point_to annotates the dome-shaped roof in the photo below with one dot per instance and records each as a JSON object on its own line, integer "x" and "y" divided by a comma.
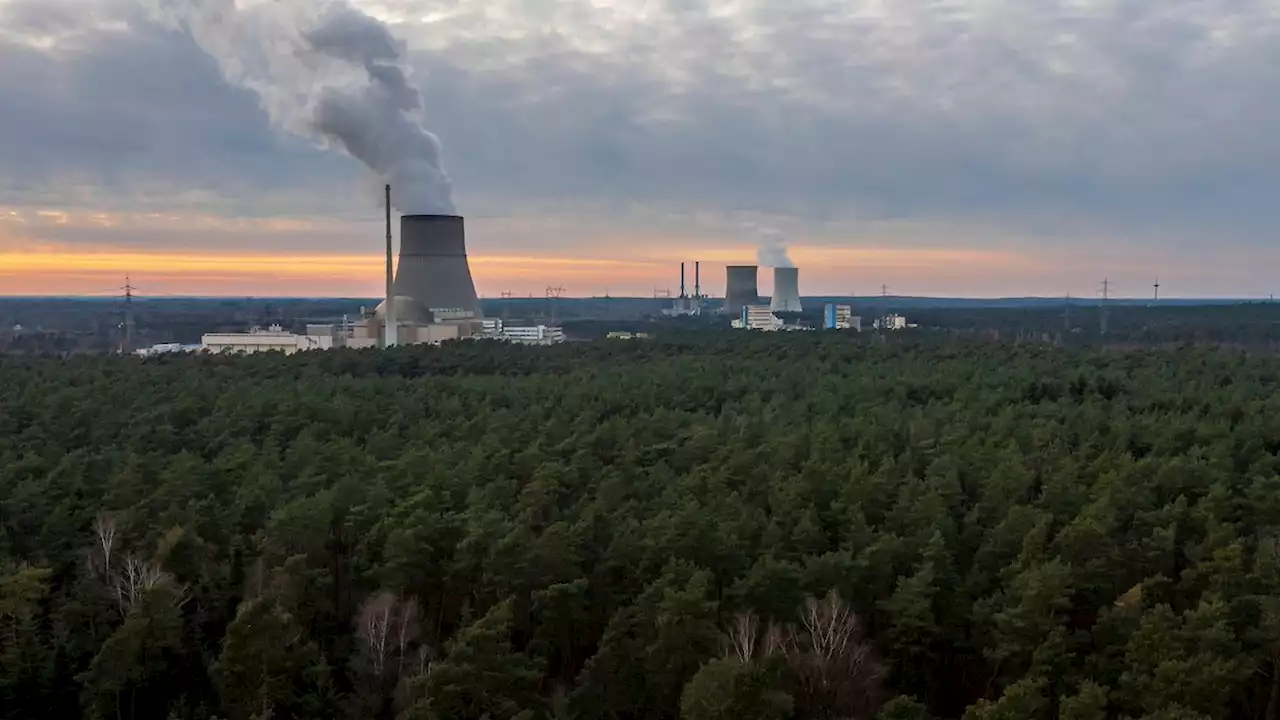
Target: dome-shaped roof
{"x": 408, "y": 310}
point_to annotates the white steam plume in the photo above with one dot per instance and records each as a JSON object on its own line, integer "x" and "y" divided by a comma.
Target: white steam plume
{"x": 771, "y": 245}
{"x": 327, "y": 71}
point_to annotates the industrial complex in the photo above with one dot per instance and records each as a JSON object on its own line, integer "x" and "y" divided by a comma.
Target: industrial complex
{"x": 431, "y": 298}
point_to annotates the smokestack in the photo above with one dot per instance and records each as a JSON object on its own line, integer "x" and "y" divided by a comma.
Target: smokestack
{"x": 390, "y": 329}
{"x": 697, "y": 279}
{"x": 740, "y": 288}
{"x": 433, "y": 266}
{"x": 682, "y": 280}
{"x": 786, "y": 290}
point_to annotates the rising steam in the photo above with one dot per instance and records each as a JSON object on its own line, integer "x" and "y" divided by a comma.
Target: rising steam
{"x": 326, "y": 71}
{"x": 771, "y": 245}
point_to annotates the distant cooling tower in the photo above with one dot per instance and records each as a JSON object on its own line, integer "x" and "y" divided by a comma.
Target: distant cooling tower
{"x": 433, "y": 267}
{"x": 786, "y": 290}
{"x": 740, "y": 288}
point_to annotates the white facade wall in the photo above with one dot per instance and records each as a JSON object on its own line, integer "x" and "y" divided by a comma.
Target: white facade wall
{"x": 533, "y": 335}
{"x": 271, "y": 340}
{"x": 760, "y": 317}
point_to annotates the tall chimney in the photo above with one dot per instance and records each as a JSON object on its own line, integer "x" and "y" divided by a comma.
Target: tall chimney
{"x": 697, "y": 279}
{"x": 389, "y": 330}
{"x": 681, "y": 280}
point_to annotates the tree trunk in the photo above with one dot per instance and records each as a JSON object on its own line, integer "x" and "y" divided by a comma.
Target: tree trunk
{"x": 1273, "y": 705}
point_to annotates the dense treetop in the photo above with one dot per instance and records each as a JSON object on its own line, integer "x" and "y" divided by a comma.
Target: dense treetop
{"x": 808, "y": 525}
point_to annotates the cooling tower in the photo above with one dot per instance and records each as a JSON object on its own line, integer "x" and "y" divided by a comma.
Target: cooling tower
{"x": 740, "y": 288}
{"x": 786, "y": 290}
{"x": 433, "y": 267}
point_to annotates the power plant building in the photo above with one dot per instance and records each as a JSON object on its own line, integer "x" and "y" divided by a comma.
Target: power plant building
{"x": 786, "y": 290}
{"x": 496, "y": 329}
{"x": 757, "y": 317}
{"x": 840, "y": 317}
{"x": 740, "y": 288}
{"x": 271, "y": 339}
{"x": 433, "y": 294}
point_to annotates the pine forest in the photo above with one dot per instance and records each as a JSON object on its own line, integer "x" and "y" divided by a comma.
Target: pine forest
{"x": 815, "y": 526}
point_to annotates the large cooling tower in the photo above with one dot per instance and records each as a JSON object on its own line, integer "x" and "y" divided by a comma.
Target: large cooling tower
{"x": 786, "y": 290}
{"x": 740, "y": 288}
{"x": 433, "y": 267}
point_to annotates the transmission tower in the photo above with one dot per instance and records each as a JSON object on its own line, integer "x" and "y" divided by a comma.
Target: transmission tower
{"x": 126, "y": 343}
{"x": 1155, "y": 297}
{"x": 1102, "y": 307}
{"x": 553, "y": 299}
{"x": 884, "y": 291}
{"x": 506, "y": 305}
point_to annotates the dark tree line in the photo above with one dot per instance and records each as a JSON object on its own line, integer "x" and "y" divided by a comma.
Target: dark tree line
{"x": 803, "y": 525}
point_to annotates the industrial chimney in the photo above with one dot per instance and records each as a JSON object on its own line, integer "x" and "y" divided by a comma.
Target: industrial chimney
{"x": 786, "y": 290}
{"x": 740, "y": 288}
{"x": 391, "y": 319}
{"x": 433, "y": 268}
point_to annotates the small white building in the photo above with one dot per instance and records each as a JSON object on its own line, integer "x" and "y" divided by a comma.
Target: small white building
{"x": 162, "y": 348}
{"x": 892, "y": 322}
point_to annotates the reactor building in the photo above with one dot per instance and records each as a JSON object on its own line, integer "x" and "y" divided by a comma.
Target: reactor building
{"x": 740, "y": 288}
{"x": 432, "y": 296}
{"x": 786, "y": 290}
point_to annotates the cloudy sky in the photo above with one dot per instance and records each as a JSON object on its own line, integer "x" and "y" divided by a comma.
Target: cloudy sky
{"x": 940, "y": 147}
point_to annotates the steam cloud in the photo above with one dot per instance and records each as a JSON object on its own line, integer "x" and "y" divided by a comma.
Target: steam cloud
{"x": 771, "y": 250}
{"x": 327, "y": 71}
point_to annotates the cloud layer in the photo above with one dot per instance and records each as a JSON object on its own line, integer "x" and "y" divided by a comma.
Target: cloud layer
{"x": 1147, "y": 122}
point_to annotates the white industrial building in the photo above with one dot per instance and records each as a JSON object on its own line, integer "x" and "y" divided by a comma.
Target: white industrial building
{"x": 522, "y": 334}
{"x": 840, "y": 317}
{"x": 273, "y": 338}
{"x": 757, "y": 317}
{"x": 165, "y": 348}
{"x": 892, "y": 322}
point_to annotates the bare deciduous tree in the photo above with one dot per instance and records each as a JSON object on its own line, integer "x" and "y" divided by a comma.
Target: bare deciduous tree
{"x": 387, "y": 626}
{"x": 104, "y": 529}
{"x": 743, "y": 635}
{"x": 128, "y": 581}
{"x": 374, "y": 626}
{"x": 136, "y": 578}
{"x": 406, "y": 630}
{"x": 833, "y": 664}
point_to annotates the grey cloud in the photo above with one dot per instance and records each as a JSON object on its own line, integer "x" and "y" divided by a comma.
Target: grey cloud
{"x": 1145, "y": 115}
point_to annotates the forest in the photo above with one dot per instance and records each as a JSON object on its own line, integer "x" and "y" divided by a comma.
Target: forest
{"x": 758, "y": 527}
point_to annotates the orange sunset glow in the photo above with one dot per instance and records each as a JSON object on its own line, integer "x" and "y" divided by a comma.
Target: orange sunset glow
{"x": 45, "y": 269}
{"x": 58, "y": 252}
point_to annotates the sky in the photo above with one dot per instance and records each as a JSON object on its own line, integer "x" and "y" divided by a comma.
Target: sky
{"x": 937, "y": 147}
